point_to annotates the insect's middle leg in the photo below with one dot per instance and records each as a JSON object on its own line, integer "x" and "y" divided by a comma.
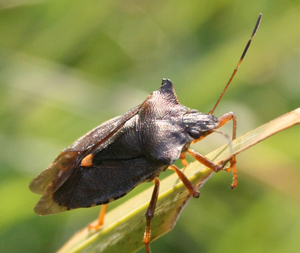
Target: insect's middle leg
{"x": 194, "y": 192}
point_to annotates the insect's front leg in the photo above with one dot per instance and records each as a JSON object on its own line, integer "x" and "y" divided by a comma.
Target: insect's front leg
{"x": 222, "y": 121}
{"x": 150, "y": 213}
{"x": 205, "y": 161}
{"x": 217, "y": 167}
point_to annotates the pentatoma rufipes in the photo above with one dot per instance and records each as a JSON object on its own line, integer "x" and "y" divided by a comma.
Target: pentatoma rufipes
{"x": 123, "y": 152}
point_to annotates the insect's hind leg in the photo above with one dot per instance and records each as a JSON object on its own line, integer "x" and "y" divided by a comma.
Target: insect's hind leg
{"x": 100, "y": 218}
{"x": 150, "y": 214}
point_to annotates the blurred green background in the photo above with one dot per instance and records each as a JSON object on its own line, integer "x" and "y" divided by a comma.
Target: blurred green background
{"x": 67, "y": 66}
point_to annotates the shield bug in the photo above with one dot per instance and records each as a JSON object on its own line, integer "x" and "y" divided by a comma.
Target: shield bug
{"x": 123, "y": 152}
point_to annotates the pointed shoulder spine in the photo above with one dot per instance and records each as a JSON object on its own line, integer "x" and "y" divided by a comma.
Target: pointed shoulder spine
{"x": 166, "y": 82}
{"x": 167, "y": 90}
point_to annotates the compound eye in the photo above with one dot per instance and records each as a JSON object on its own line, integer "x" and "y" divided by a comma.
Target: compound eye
{"x": 194, "y": 134}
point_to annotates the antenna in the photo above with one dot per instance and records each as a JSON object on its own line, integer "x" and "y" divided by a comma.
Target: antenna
{"x": 239, "y": 63}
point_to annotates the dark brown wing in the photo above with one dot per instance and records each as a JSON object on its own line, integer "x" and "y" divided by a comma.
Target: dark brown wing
{"x": 63, "y": 166}
{"x": 56, "y": 173}
{"x": 98, "y": 184}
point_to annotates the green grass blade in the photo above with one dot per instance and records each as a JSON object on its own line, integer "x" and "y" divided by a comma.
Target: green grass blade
{"x": 124, "y": 226}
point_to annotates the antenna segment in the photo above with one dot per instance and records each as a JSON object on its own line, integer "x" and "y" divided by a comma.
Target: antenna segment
{"x": 239, "y": 63}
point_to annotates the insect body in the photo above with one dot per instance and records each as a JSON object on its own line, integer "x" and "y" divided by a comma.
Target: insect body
{"x": 123, "y": 152}
{"x": 112, "y": 159}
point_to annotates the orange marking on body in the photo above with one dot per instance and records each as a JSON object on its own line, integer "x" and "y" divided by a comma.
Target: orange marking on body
{"x": 87, "y": 161}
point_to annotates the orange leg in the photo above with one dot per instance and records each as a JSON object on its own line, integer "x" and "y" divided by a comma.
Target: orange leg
{"x": 217, "y": 167}
{"x": 202, "y": 159}
{"x": 194, "y": 192}
{"x": 182, "y": 158}
{"x": 234, "y": 172}
{"x": 100, "y": 218}
{"x": 222, "y": 120}
{"x": 150, "y": 214}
